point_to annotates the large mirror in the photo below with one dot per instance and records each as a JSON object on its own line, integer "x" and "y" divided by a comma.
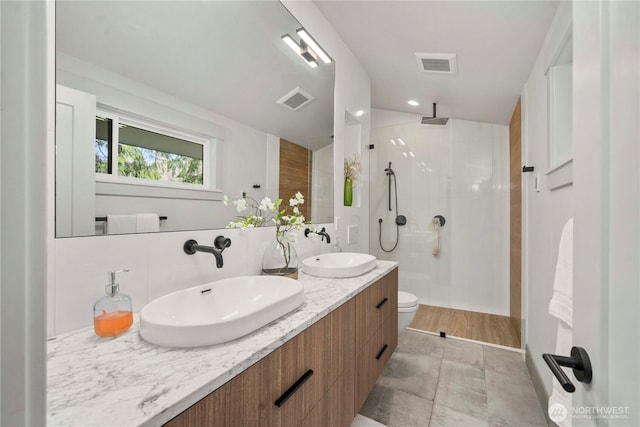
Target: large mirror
{"x": 162, "y": 108}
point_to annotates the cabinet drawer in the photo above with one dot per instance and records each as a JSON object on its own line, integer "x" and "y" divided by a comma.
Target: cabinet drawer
{"x": 372, "y": 358}
{"x": 374, "y": 305}
{"x": 316, "y": 357}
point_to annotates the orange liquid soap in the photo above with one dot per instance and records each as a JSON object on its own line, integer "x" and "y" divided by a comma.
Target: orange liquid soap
{"x": 112, "y": 324}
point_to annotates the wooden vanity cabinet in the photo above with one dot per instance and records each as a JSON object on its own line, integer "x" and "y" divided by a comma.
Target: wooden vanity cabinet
{"x": 342, "y": 373}
{"x": 376, "y": 333}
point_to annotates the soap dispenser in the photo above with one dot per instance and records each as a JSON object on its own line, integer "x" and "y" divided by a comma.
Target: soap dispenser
{"x": 112, "y": 314}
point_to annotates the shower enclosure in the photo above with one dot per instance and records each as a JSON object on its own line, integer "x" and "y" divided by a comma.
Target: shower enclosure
{"x": 459, "y": 171}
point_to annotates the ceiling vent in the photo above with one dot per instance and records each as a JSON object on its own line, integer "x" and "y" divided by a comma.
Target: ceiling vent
{"x": 296, "y": 99}
{"x": 441, "y": 63}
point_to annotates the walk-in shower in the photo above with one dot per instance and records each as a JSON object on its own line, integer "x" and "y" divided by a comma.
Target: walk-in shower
{"x": 459, "y": 172}
{"x": 400, "y": 219}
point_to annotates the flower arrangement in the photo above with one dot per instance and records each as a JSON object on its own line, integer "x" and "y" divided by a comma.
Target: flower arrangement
{"x": 269, "y": 211}
{"x": 352, "y": 168}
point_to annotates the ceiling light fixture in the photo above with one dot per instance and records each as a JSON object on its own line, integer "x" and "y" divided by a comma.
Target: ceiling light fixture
{"x": 413, "y": 102}
{"x": 393, "y": 141}
{"x": 311, "y": 42}
{"x": 411, "y": 154}
{"x": 359, "y": 113}
{"x": 404, "y": 153}
{"x": 401, "y": 141}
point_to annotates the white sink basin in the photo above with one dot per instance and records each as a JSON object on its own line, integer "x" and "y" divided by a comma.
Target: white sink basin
{"x": 339, "y": 265}
{"x": 219, "y": 311}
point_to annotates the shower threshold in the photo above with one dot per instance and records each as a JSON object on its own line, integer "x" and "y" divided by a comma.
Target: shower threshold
{"x": 489, "y": 328}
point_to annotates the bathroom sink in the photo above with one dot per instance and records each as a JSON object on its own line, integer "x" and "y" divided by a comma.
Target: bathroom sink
{"x": 219, "y": 311}
{"x": 339, "y": 265}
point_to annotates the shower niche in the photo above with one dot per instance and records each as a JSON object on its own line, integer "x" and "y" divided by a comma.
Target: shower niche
{"x": 352, "y": 190}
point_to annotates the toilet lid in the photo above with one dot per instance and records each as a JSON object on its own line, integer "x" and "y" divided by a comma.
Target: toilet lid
{"x": 406, "y": 299}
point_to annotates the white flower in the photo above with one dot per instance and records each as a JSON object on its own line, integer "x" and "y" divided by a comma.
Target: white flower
{"x": 296, "y": 210}
{"x": 241, "y": 204}
{"x": 298, "y": 199}
{"x": 266, "y": 205}
{"x": 226, "y": 200}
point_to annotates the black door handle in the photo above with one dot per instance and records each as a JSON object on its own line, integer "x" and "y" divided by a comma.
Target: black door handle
{"x": 579, "y": 362}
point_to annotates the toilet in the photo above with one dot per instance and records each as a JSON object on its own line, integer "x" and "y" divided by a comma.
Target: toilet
{"x": 407, "y": 308}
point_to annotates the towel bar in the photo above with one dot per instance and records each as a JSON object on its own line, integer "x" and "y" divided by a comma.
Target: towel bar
{"x": 104, "y": 218}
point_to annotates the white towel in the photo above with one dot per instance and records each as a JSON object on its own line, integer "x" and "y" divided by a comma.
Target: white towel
{"x": 121, "y": 224}
{"x": 561, "y": 307}
{"x": 561, "y": 304}
{"x": 147, "y": 223}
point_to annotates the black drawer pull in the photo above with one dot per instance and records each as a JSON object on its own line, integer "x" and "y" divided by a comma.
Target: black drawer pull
{"x": 384, "y": 348}
{"x": 383, "y": 302}
{"x": 287, "y": 394}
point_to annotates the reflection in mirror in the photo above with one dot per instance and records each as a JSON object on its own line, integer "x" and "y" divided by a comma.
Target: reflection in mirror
{"x": 164, "y": 107}
{"x": 560, "y": 106}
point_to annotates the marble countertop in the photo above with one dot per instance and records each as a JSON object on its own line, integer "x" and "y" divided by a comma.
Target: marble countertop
{"x": 126, "y": 381}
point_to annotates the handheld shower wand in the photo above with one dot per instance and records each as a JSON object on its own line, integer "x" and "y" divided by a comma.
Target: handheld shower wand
{"x": 400, "y": 219}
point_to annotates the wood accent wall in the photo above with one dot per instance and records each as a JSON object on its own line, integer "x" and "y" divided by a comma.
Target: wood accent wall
{"x": 515, "y": 167}
{"x": 295, "y": 174}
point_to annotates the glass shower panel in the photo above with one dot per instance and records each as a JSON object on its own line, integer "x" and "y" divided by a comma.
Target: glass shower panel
{"x": 458, "y": 171}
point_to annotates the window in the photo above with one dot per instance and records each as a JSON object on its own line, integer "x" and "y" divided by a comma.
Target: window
{"x": 134, "y": 150}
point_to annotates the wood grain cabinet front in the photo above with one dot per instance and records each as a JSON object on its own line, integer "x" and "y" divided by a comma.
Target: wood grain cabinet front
{"x": 320, "y": 378}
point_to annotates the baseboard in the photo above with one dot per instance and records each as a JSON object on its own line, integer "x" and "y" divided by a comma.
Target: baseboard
{"x": 538, "y": 385}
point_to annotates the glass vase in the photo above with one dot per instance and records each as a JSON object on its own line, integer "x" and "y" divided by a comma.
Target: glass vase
{"x": 280, "y": 259}
{"x": 348, "y": 191}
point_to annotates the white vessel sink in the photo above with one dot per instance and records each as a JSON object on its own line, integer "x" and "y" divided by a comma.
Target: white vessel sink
{"x": 219, "y": 311}
{"x": 339, "y": 265}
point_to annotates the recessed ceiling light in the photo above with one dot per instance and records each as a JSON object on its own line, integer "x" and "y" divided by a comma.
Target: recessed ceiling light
{"x": 359, "y": 113}
{"x": 393, "y": 141}
{"x": 404, "y": 153}
{"x": 413, "y": 102}
{"x": 401, "y": 141}
{"x": 411, "y": 154}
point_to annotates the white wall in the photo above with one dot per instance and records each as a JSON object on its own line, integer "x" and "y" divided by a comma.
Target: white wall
{"x": 322, "y": 184}
{"x": 27, "y": 125}
{"x": 352, "y": 94}
{"x": 546, "y": 212}
{"x": 157, "y": 261}
{"x": 460, "y": 171}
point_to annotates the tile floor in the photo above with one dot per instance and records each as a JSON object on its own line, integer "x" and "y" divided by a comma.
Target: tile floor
{"x": 433, "y": 381}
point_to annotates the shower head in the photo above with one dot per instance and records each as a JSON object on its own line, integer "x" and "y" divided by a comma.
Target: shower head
{"x": 434, "y": 120}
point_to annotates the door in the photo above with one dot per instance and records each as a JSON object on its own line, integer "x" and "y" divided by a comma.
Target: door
{"x": 606, "y": 98}
{"x": 75, "y": 160}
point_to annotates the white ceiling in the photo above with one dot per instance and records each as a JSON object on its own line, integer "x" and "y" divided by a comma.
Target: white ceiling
{"x": 496, "y": 42}
{"x": 225, "y": 56}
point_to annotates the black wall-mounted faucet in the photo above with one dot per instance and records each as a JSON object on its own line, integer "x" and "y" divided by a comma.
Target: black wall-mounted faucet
{"x": 219, "y": 245}
{"x": 322, "y": 233}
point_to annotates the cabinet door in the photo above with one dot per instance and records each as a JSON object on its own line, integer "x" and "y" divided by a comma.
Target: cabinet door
{"x": 374, "y": 305}
{"x": 246, "y": 400}
{"x": 320, "y": 350}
